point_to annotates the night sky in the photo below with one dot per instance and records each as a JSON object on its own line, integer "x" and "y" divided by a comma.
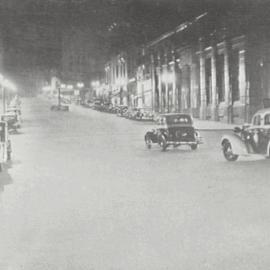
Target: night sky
{"x": 32, "y": 29}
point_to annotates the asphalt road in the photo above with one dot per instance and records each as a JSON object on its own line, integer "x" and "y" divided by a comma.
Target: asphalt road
{"x": 83, "y": 192}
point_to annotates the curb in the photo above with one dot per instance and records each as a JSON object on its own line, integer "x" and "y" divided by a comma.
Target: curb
{"x": 76, "y": 108}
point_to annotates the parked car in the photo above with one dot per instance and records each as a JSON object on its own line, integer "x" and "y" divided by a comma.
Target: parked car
{"x": 113, "y": 109}
{"x": 12, "y": 121}
{"x": 146, "y": 114}
{"x": 174, "y": 129}
{"x": 60, "y": 107}
{"x": 122, "y": 109}
{"x": 16, "y": 110}
{"x": 5, "y": 144}
{"x": 250, "y": 139}
{"x": 97, "y": 105}
{"x": 133, "y": 113}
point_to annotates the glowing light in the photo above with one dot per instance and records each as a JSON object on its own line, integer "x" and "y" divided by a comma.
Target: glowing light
{"x": 80, "y": 85}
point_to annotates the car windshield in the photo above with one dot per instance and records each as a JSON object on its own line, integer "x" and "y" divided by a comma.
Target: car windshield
{"x": 178, "y": 119}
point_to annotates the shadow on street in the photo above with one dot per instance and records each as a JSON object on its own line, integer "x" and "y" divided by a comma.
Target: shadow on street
{"x": 5, "y": 178}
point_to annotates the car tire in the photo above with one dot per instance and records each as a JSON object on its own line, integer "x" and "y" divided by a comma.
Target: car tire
{"x": 227, "y": 152}
{"x": 148, "y": 141}
{"x": 194, "y": 146}
{"x": 163, "y": 143}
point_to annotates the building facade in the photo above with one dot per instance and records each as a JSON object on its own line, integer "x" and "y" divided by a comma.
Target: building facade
{"x": 213, "y": 71}
{"x": 116, "y": 79}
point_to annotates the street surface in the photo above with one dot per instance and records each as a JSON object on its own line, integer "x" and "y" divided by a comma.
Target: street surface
{"x": 83, "y": 192}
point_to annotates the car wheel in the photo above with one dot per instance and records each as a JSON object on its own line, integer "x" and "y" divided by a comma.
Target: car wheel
{"x": 163, "y": 143}
{"x": 228, "y": 153}
{"x": 148, "y": 142}
{"x": 194, "y": 146}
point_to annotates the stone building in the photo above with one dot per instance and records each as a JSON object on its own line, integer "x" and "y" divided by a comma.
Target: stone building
{"x": 116, "y": 77}
{"x": 216, "y": 71}
{"x": 216, "y": 68}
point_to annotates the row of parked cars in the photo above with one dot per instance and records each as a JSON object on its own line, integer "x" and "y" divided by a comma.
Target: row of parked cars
{"x": 122, "y": 110}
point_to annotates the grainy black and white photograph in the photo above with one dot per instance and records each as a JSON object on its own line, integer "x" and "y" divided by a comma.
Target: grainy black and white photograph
{"x": 134, "y": 134}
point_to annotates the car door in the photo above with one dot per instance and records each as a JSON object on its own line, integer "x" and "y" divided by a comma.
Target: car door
{"x": 265, "y": 133}
{"x": 254, "y": 130}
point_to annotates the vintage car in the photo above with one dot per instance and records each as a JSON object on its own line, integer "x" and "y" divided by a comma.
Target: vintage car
{"x": 174, "y": 129}
{"x": 12, "y": 120}
{"x": 133, "y": 113}
{"x": 250, "y": 139}
{"x": 60, "y": 107}
{"x": 146, "y": 114}
{"x": 15, "y": 110}
{"x": 121, "y": 110}
{"x": 5, "y": 144}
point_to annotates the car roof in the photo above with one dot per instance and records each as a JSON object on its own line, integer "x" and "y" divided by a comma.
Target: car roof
{"x": 263, "y": 111}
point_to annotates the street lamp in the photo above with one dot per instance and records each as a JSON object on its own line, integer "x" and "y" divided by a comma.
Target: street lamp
{"x": 80, "y": 85}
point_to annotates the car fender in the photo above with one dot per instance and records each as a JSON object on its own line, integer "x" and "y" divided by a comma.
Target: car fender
{"x": 152, "y": 135}
{"x": 238, "y": 146}
{"x": 268, "y": 149}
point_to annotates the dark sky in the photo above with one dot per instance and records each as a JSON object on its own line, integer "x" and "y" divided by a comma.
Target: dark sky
{"x": 32, "y": 29}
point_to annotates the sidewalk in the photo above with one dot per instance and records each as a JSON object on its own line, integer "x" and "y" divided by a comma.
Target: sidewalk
{"x": 205, "y": 125}
{"x": 212, "y": 125}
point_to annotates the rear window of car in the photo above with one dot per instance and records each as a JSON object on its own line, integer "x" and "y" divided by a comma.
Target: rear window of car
{"x": 179, "y": 119}
{"x": 267, "y": 119}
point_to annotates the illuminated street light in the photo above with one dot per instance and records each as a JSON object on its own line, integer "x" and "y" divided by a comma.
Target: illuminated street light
{"x": 95, "y": 84}
{"x": 80, "y": 85}
{"x": 70, "y": 87}
{"x": 63, "y": 85}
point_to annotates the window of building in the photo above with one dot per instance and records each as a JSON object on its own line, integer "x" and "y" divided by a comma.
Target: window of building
{"x": 208, "y": 80}
{"x": 235, "y": 75}
{"x": 220, "y": 78}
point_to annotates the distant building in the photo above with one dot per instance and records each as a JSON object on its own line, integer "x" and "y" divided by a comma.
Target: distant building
{"x": 117, "y": 78}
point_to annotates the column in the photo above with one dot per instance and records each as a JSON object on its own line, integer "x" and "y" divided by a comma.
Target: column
{"x": 153, "y": 83}
{"x": 242, "y": 76}
{"x": 173, "y": 83}
{"x": 214, "y": 112}
{"x": 165, "y": 71}
{"x": 227, "y": 82}
{"x": 159, "y": 84}
{"x": 202, "y": 81}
